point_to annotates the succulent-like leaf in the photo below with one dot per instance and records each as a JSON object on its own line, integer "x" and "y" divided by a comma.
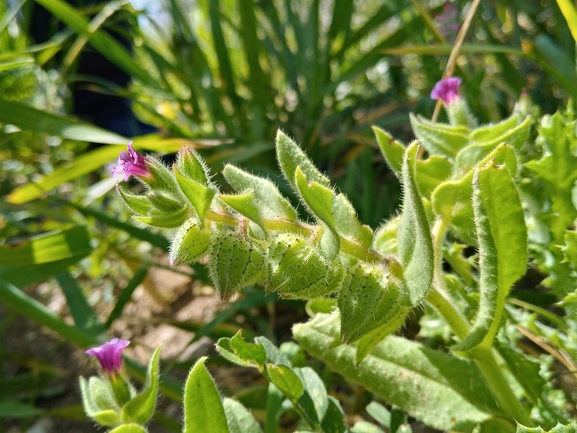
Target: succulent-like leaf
{"x": 271, "y": 203}
{"x": 370, "y": 297}
{"x": 414, "y": 235}
{"x": 441, "y": 390}
{"x": 438, "y": 138}
{"x": 290, "y": 156}
{"x": 236, "y": 262}
{"x": 203, "y": 409}
{"x": 190, "y": 243}
{"x": 502, "y": 240}
{"x": 239, "y": 418}
{"x": 141, "y": 407}
{"x": 297, "y": 270}
{"x": 138, "y": 204}
{"x": 245, "y": 205}
{"x": 164, "y": 220}
{"x": 197, "y": 194}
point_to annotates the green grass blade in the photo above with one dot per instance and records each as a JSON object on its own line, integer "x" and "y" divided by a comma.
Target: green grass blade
{"x": 17, "y": 300}
{"x": 30, "y": 119}
{"x": 82, "y": 313}
{"x": 126, "y": 294}
{"x": 100, "y": 41}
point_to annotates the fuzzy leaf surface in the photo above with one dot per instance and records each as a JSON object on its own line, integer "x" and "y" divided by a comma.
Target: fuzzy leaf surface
{"x": 203, "y": 409}
{"x": 269, "y": 199}
{"x": 438, "y": 138}
{"x": 439, "y": 389}
{"x": 502, "y": 240}
{"x": 414, "y": 234}
{"x": 239, "y": 418}
{"x": 197, "y": 194}
{"x": 392, "y": 150}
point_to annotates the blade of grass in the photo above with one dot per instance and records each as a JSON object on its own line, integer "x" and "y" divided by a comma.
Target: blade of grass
{"x": 126, "y": 294}
{"x": 100, "y": 40}
{"x": 82, "y": 313}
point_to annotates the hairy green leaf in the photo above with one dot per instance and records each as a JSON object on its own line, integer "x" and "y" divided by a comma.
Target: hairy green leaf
{"x": 245, "y": 205}
{"x": 502, "y": 240}
{"x": 203, "y": 409}
{"x": 197, "y": 194}
{"x": 392, "y": 150}
{"x": 141, "y": 408}
{"x": 240, "y": 420}
{"x": 271, "y": 203}
{"x": 438, "y": 138}
{"x": 414, "y": 235}
{"x": 441, "y": 390}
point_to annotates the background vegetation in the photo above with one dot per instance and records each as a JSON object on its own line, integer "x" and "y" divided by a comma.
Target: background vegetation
{"x": 223, "y": 76}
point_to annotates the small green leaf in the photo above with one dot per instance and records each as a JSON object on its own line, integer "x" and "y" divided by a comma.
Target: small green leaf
{"x": 298, "y": 271}
{"x": 452, "y": 199}
{"x": 285, "y": 379}
{"x": 164, "y": 220}
{"x": 570, "y": 247}
{"x": 491, "y": 132}
{"x": 474, "y": 153}
{"x": 252, "y": 353}
{"x": 334, "y": 420}
{"x": 392, "y": 150}
{"x": 414, "y": 235}
{"x": 164, "y": 203}
{"x": 225, "y": 350}
{"x": 431, "y": 172}
{"x": 99, "y": 402}
{"x": 380, "y": 413}
{"x": 290, "y": 156}
{"x": 240, "y": 420}
{"x": 369, "y": 299}
{"x": 203, "y": 409}
{"x": 236, "y": 262}
{"x": 502, "y": 239}
{"x": 245, "y": 205}
{"x": 315, "y": 388}
{"x": 192, "y": 166}
{"x": 190, "y": 243}
{"x": 129, "y": 428}
{"x": 439, "y": 138}
{"x": 385, "y": 240}
{"x": 333, "y": 210}
{"x": 271, "y": 203}
{"x": 141, "y": 408}
{"x": 139, "y": 204}
{"x": 198, "y": 195}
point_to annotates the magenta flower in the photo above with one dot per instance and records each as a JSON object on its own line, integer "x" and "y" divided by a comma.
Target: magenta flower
{"x": 110, "y": 355}
{"x": 131, "y": 163}
{"x": 447, "y": 90}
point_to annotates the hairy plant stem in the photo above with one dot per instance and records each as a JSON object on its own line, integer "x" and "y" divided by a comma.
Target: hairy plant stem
{"x": 484, "y": 358}
{"x": 348, "y": 246}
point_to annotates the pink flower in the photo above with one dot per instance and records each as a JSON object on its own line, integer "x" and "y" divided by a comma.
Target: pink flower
{"x": 131, "y": 164}
{"x": 447, "y": 90}
{"x": 110, "y": 355}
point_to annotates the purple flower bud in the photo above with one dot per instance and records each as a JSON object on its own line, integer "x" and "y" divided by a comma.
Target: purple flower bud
{"x": 110, "y": 355}
{"x": 447, "y": 90}
{"x": 131, "y": 164}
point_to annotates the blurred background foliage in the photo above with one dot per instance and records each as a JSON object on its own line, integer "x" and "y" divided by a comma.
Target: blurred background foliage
{"x": 222, "y": 76}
